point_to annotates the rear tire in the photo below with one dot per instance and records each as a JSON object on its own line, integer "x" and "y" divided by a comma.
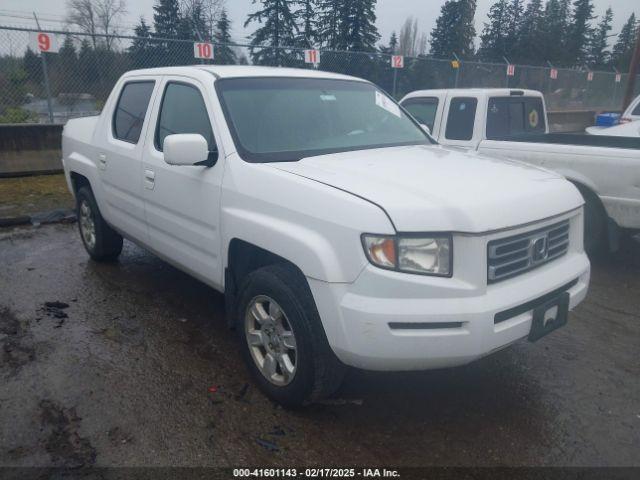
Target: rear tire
{"x": 308, "y": 372}
{"x": 101, "y": 242}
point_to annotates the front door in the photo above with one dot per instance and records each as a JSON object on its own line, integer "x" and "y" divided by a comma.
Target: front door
{"x": 183, "y": 202}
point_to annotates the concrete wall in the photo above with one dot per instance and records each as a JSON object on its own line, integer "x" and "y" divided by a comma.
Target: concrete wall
{"x": 30, "y": 149}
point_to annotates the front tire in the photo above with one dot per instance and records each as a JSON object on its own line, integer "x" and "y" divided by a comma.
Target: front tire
{"x": 101, "y": 242}
{"x": 283, "y": 341}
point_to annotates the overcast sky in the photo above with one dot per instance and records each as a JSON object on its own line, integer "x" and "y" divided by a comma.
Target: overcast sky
{"x": 391, "y": 13}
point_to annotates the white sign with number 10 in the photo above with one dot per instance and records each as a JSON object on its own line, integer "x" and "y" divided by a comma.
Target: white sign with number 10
{"x": 43, "y": 42}
{"x": 312, "y": 56}
{"x": 203, "y": 50}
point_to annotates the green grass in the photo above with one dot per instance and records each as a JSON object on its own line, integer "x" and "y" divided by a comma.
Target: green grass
{"x": 29, "y": 195}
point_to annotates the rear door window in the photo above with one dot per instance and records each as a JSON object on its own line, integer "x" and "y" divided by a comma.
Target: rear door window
{"x": 514, "y": 116}
{"x": 423, "y": 110}
{"x": 461, "y": 118}
{"x": 131, "y": 110}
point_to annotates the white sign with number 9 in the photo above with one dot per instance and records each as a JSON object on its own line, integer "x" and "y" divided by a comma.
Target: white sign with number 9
{"x": 43, "y": 42}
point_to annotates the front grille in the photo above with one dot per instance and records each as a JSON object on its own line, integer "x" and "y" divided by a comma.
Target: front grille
{"x": 511, "y": 256}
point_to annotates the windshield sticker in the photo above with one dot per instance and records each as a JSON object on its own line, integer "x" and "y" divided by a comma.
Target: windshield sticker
{"x": 384, "y": 102}
{"x": 328, "y": 98}
{"x": 534, "y": 119}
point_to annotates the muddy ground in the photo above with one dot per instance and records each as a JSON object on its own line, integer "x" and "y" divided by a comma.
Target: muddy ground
{"x": 121, "y": 376}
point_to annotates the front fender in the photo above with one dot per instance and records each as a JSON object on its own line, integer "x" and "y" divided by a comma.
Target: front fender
{"x": 309, "y": 250}
{"x": 576, "y": 177}
{"x": 316, "y": 227}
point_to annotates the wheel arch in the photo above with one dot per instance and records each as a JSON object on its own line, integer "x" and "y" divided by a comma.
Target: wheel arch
{"x": 612, "y": 231}
{"x": 78, "y": 181}
{"x": 244, "y": 257}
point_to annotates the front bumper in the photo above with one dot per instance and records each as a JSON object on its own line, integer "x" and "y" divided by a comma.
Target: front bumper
{"x": 393, "y": 321}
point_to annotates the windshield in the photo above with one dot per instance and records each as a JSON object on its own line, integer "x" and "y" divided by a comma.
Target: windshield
{"x": 286, "y": 119}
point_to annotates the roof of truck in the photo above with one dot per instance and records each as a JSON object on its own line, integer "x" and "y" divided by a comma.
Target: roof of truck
{"x": 237, "y": 71}
{"x": 473, "y": 92}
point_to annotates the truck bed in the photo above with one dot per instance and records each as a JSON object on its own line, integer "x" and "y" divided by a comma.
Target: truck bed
{"x": 577, "y": 139}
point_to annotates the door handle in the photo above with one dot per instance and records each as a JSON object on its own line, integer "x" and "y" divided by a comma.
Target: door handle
{"x": 149, "y": 179}
{"x": 102, "y": 161}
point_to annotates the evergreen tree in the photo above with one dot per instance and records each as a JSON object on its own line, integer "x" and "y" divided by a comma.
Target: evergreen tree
{"x": 554, "y": 32}
{"x": 623, "y": 49}
{"x": 88, "y": 67}
{"x": 167, "y": 24}
{"x": 514, "y": 21}
{"x": 529, "y": 47}
{"x": 393, "y": 43}
{"x": 580, "y": 31}
{"x": 308, "y": 24}
{"x": 495, "y": 35}
{"x": 454, "y": 31}
{"x": 278, "y": 28}
{"x": 598, "y": 53}
{"x": 33, "y": 66}
{"x": 141, "y": 48}
{"x": 359, "y": 26}
{"x": 224, "y": 53}
{"x": 67, "y": 63}
{"x": 166, "y": 18}
{"x": 328, "y": 22}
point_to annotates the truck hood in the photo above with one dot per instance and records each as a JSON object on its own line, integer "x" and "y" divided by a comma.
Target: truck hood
{"x": 430, "y": 188}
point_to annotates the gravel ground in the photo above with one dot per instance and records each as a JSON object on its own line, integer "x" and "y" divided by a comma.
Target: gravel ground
{"x": 139, "y": 369}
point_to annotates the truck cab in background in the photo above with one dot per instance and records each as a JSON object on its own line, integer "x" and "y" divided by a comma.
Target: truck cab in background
{"x": 512, "y": 124}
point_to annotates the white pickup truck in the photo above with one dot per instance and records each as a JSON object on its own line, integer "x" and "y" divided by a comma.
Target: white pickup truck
{"x": 513, "y": 124}
{"x": 338, "y": 231}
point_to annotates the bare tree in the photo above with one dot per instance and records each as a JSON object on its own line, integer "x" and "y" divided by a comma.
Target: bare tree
{"x": 96, "y": 17}
{"x": 82, "y": 14}
{"x": 408, "y": 42}
{"x": 210, "y": 9}
{"x": 109, "y": 13}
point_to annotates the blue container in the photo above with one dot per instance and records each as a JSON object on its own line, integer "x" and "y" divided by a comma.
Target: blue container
{"x": 607, "y": 119}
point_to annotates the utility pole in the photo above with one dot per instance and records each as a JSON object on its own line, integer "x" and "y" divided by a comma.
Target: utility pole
{"x": 457, "y": 69}
{"x": 633, "y": 73}
{"x": 45, "y": 75}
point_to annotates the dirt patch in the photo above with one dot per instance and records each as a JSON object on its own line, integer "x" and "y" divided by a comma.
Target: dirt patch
{"x": 17, "y": 348}
{"x": 123, "y": 330}
{"x": 64, "y": 444}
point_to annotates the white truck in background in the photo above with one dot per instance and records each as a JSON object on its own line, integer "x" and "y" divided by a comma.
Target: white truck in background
{"x": 512, "y": 124}
{"x": 338, "y": 231}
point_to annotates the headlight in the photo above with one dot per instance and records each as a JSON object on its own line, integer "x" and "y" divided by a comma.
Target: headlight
{"x": 421, "y": 254}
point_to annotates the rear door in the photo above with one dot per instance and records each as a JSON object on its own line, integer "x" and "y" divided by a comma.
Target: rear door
{"x": 120, "y": 156}
{"x": 183, "y": 202}
{"x": 462, "y": 120}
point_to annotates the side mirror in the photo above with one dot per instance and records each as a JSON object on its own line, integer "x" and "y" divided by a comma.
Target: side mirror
{"x": 426, "y": 128}
{"x": 187, "y": 149}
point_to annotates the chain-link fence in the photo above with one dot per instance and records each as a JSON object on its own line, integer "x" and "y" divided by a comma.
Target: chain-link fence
{"x": 76, "y": 80}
